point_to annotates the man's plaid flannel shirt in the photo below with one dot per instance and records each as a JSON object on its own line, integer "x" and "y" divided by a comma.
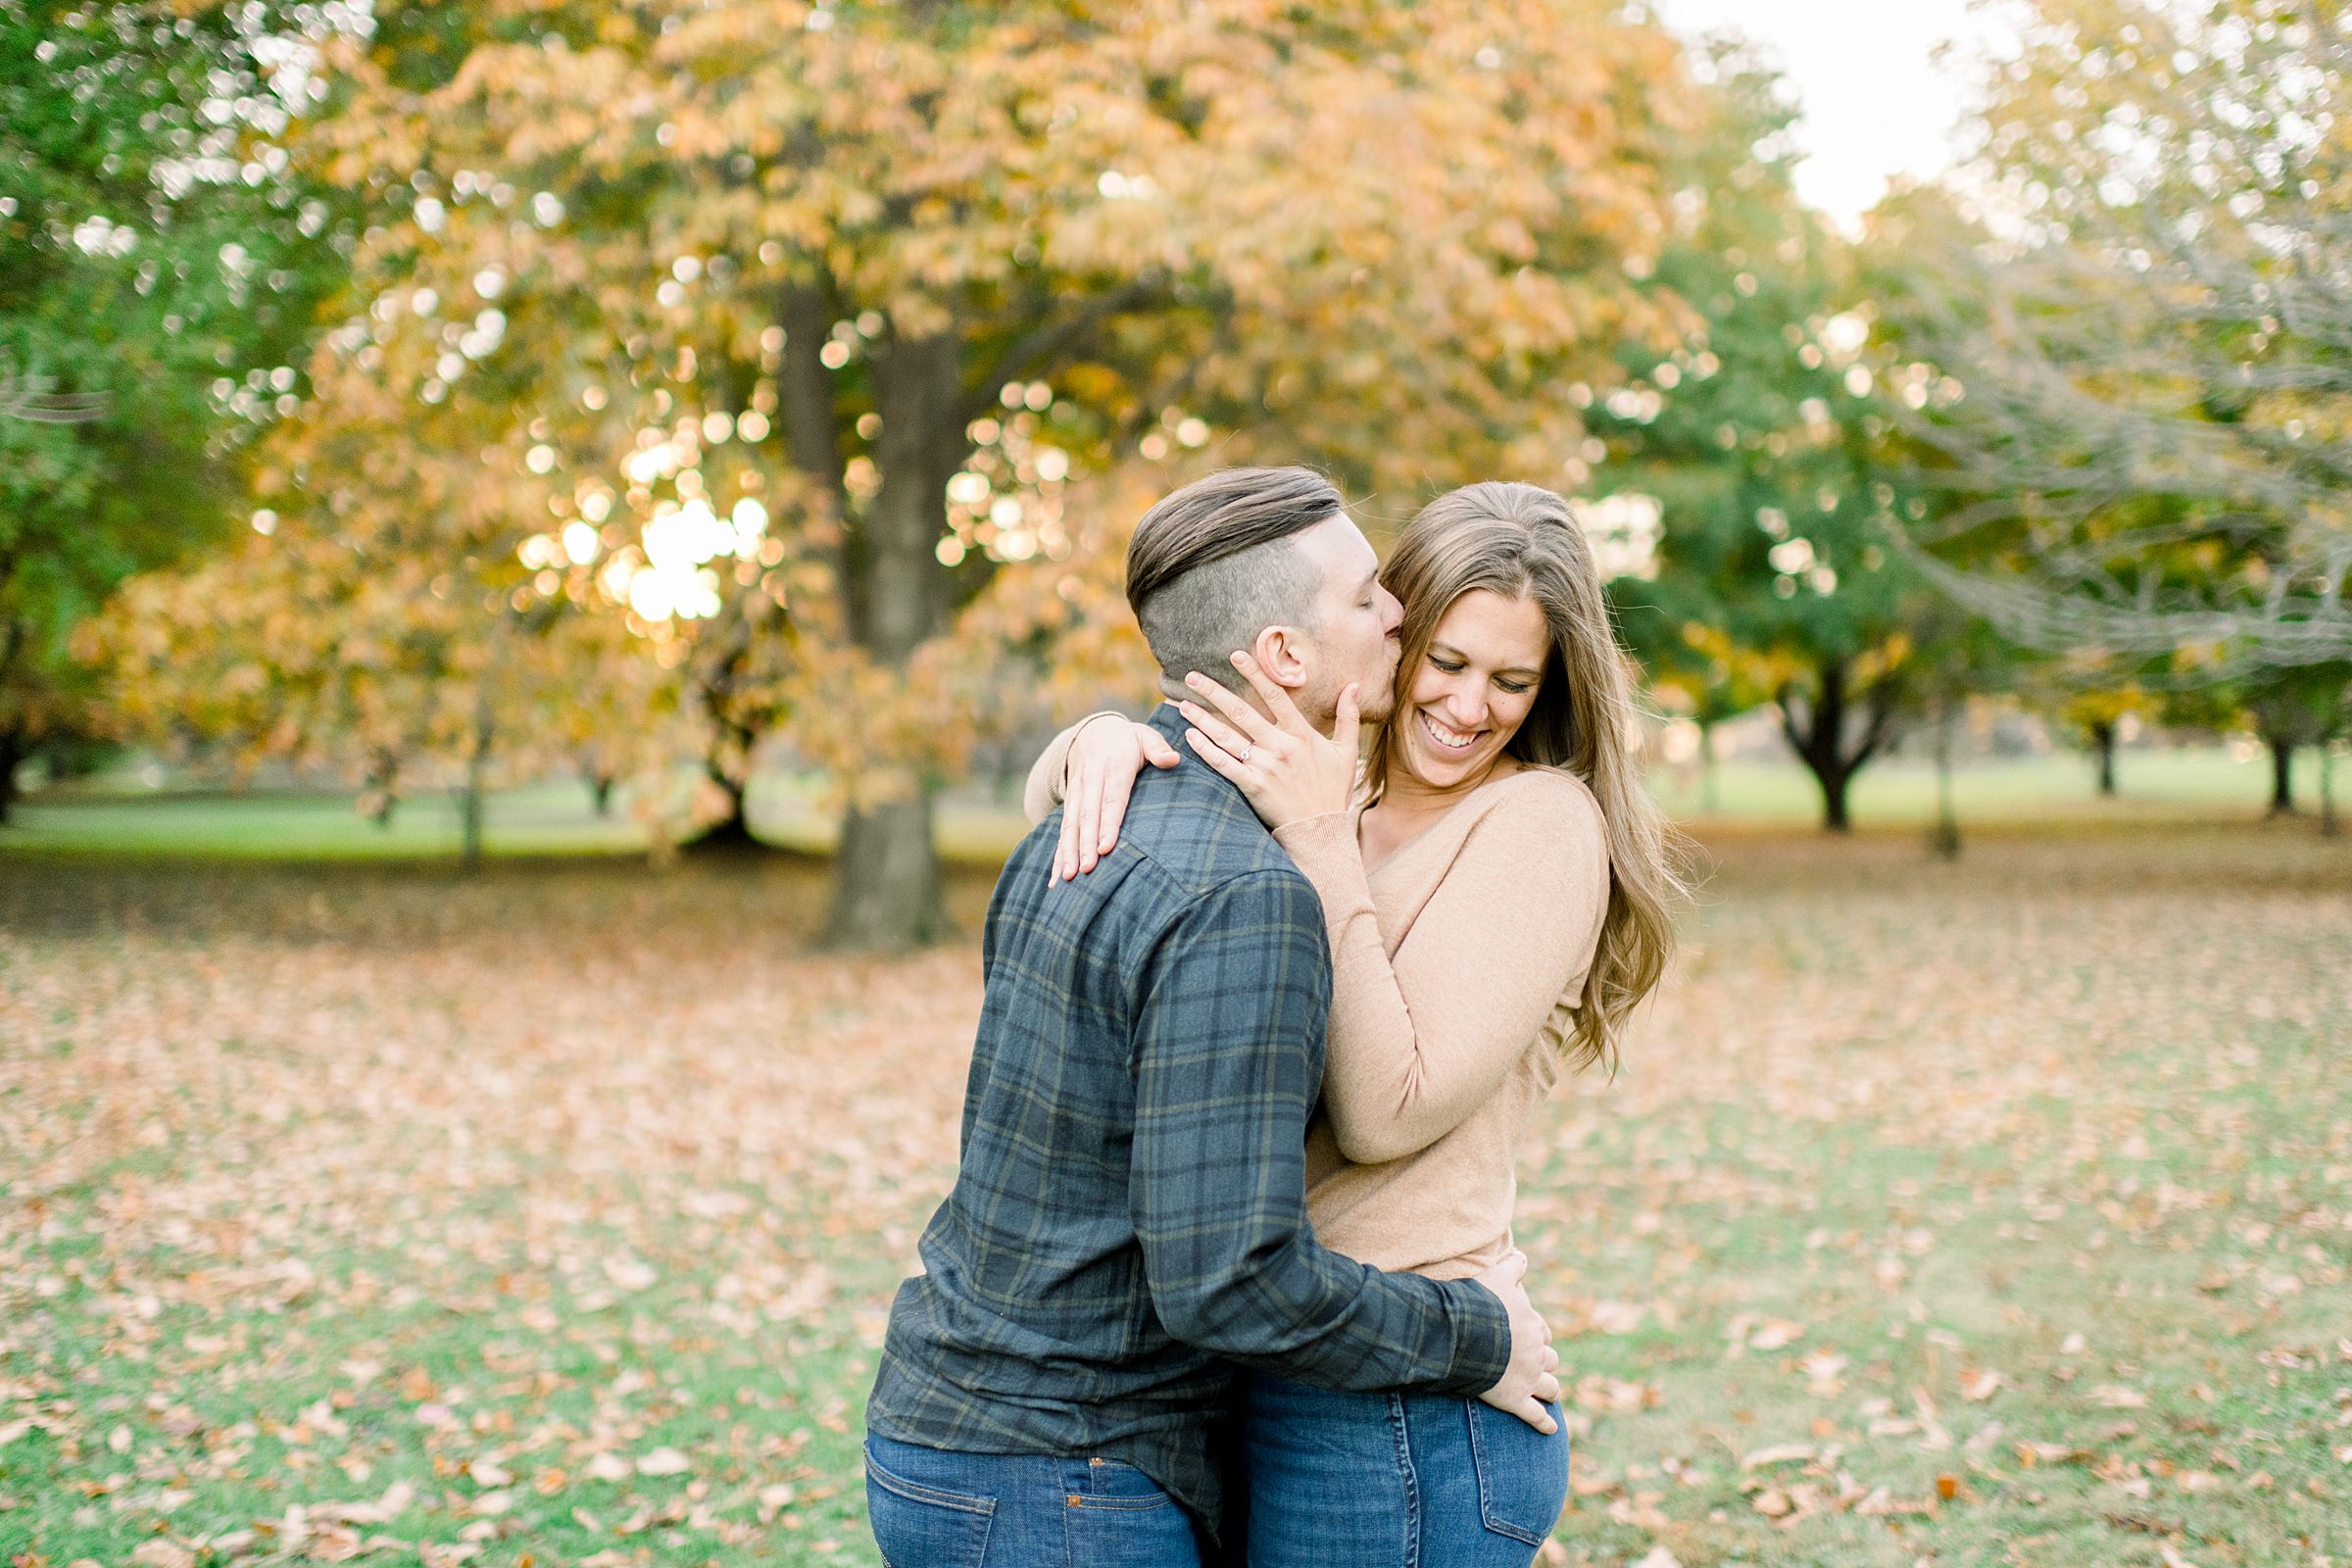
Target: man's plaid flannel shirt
{"x": 1129, "y": 1226}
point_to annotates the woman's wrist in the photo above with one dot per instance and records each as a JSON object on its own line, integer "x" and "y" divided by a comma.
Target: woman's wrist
{"x": 1078, "y": 733}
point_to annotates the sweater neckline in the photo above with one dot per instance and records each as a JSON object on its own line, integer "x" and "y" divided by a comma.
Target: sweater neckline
{"x": 1355, "y": 822}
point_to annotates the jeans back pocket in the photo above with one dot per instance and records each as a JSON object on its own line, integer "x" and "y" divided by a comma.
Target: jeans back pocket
{"x": 1522, "y": 1474}
{"x": 919, "y": 1526}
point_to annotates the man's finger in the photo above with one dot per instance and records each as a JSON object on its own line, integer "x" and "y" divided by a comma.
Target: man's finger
{"x": 1535, "y": 1415}
{"x": 1548, "y": 1389}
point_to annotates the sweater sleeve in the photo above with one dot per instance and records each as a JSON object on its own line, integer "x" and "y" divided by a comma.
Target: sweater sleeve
{"x": 1043, "y": 792}
{"x": 1420, "y": 1039}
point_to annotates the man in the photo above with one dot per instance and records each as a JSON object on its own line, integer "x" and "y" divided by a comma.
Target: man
{"x": 1129, "y": 1225}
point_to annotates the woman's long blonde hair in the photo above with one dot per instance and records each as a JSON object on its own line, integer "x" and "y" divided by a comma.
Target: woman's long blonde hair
{"x": 1522, "y": 541}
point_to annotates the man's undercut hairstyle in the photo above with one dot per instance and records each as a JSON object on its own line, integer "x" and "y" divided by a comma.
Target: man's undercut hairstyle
{"x": 1217, "y": 562}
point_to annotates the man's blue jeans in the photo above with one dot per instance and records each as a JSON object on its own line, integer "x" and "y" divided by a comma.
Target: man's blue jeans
{"x": 1395, "y": 1481}
{"x": 932, "y": 1508}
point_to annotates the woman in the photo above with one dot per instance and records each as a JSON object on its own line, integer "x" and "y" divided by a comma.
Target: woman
{"x": 1497, "y": 885}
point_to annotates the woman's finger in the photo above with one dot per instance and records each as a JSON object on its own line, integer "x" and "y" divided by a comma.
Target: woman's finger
{"x": 1219, "y": 733}
{"x": 1090, "y": 819}
{"x": 1065, "y": 847}
{"x": 1346, "y": 721}
{"x": 1116, "y": 791}
{"x": 1157, "y": 750}
{"x": 1277, "y": 700}
{"x": 1217, "y": 756}
{"x": 1248, "y": 719}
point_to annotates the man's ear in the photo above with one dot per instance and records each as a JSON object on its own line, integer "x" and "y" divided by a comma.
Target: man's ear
{"x": 1279, "y": 653}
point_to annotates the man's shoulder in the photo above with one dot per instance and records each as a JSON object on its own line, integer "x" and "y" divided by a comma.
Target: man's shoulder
{"x": 1198, "y": 833}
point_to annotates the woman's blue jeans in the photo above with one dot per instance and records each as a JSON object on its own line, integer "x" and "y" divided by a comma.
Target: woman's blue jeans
{"x": 932, "y": 1508}
{"x": 1394, "y": 1481}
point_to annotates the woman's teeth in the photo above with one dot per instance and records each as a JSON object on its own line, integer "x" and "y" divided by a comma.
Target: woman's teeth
{"x": 1453, "y": 740}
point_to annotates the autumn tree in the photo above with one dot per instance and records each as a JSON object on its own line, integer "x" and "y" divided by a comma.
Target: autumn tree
{"x": 920, "y": 266}
{"x": 160, "y": 262}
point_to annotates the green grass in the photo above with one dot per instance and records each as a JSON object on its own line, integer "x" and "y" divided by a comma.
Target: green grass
{"x": 1985, "y": 1212}
{"x": 536, "y": 820}
{"x": 976, "y": 826}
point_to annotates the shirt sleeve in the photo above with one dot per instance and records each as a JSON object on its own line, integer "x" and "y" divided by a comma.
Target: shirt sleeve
{"x": 1043, "y": 792}
{"x": 1227, "y": 1063}
{"x": 1422, "y": 1038}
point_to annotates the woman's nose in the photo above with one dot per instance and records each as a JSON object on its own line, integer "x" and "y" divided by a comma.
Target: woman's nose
{"x": 1464, "y": 710}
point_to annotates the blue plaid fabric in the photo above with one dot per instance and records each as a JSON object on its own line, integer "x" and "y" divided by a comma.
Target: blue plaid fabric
{"x": 1129, "y": 1226}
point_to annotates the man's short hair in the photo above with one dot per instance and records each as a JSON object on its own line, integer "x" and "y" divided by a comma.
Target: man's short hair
{"x": 1215, "y": 564}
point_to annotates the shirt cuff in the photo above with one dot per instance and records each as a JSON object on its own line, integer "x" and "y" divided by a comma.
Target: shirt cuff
{"x": 1482, "y": 1337}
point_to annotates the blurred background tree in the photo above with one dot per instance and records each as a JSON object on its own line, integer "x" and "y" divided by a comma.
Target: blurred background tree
{"x": 1762, "y": 443}
{"x": 755, "y": 386}
{"x": 160, "y": 264}
{"x": 897, "y": 285}
{"x": 2151, "y": 457}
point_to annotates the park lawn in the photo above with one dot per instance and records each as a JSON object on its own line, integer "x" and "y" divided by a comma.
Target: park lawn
{"x": 119, "y": 815}
{"x": 1996, "y": 1211}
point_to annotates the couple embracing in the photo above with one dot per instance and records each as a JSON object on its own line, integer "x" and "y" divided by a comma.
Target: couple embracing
{"x": 1227, "y": 1272}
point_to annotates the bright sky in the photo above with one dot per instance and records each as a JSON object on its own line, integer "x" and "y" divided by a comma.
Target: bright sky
{"x": 1874, "y": 103}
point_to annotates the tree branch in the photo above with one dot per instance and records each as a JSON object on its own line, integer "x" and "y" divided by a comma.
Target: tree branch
{"x": 1046, "y": 345}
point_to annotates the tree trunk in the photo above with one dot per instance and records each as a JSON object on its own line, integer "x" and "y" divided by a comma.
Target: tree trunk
{"x": 2328, "y": 821}
{"x": 887, "y": 889}
{"x": 12, "y": 757}
{"x": 731, "y": 832}
{"x": 383, "y": 772}
{"x": 471, "y": 804}
{"x": 1709, "y": 776}
{"x": 1816, "y": 732}
{"x": 1947, "y": 837}
{"x": 600, "y": 789}
{"x": 886, "y": 879}
{"x": 2102, "y": 740}
{"x": 2282, "y": 789}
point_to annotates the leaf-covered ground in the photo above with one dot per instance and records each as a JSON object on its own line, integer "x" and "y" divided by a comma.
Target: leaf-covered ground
{"x": 1988, "y": 1213}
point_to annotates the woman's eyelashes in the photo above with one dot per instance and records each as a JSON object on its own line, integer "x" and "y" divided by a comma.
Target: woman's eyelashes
{"x": 1516, "y": 687}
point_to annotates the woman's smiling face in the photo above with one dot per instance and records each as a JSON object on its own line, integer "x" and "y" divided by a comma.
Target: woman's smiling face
{"x": 1473, "y": 688}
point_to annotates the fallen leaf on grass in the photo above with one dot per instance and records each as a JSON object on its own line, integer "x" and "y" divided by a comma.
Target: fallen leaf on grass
{"x": 1978, "y": 1384}
{"x": 2116, "y": 1397}
{"x": 2030, "y": 1454}
{"x": 1780, "y": 1453}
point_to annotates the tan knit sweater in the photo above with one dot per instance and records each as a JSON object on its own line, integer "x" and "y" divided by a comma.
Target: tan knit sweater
{"x": 1456, "y": 965}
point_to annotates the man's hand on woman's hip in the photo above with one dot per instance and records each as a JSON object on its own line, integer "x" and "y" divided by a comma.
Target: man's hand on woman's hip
{"x": 1531, "y": 1380}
